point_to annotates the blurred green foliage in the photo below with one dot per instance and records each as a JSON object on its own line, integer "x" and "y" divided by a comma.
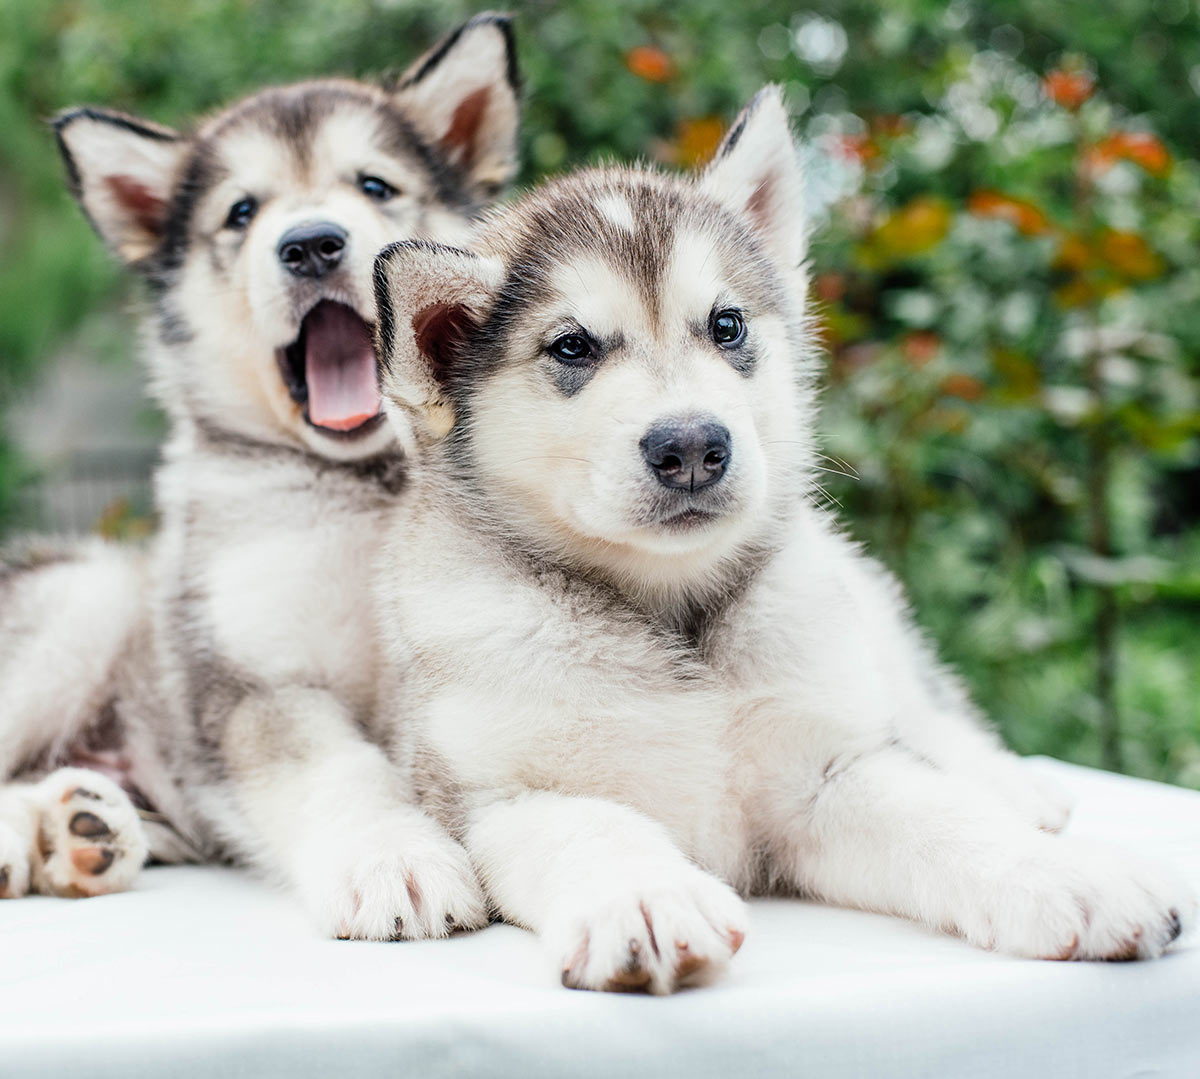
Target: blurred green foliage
{"x": 1007, "y": 272}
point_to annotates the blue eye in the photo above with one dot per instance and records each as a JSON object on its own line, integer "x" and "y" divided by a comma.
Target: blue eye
{"x": 240, "y": 213}
{"x": 573, "y": 348}
{"x": 375, "y": 188}
{"x": 728, "y": 328}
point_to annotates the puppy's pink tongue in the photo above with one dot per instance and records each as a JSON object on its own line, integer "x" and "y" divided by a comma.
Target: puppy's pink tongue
{"x": 339, "y": 366}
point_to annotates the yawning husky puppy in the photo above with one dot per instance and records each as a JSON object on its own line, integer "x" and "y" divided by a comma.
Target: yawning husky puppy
{"x": 643, "y": 672}
{"x": 234, "y": 698}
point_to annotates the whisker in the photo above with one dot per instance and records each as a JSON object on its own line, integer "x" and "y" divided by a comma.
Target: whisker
{"x": 840, "y": 463}
{"x": 826, "y": 495}
{"x": 551, "y": 457}
{"x": 835, "y": 472}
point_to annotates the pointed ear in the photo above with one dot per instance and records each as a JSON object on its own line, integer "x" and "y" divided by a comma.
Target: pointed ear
{"x": 428, "y": 298}
{"x": 122, "y": 171}
{"x": 756, "y": 173}
{"x": 463, "y": 96}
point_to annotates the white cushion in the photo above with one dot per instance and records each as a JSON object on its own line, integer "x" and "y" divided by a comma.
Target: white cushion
{"x": 206, "y": 971}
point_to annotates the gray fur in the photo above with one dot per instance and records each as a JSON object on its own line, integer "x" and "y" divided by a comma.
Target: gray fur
{"x": 643, "y": 697}
{"x": 243, "y": 676}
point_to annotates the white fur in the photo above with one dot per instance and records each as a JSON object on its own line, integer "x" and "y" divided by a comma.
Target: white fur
{"x": 239, "y": 669}
{"x": 618, "y": 211}
{"x": 52, "y": 681}
{"x": 618, "y": 769}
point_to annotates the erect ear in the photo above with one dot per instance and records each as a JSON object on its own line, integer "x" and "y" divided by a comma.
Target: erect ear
{"x": 122, "y": 171}
{"x": 463, "y": 96}
{"x": 756, "y": 173}
{"x": 428, "y": 298}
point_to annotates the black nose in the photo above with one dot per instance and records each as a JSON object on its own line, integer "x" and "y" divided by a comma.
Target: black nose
{"x": 687, "y": 454}
{"x": 312, "y": 250}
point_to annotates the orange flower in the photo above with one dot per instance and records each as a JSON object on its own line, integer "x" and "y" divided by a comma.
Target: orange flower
{"x": 1128, "y": 253}
{"x": 1070, "y": 89}
{"x": 1143, "y": 149}
{"x": 889, "y": 125}
{"x": 920, "y": 347}
{"x": 860, "y": 148}
{"x": 696, "y": 140}
{"x": 965, "y": 387}
{"x": 830, "y": 287}
{"x": 914, "y": 227}
{"x": 1073, "y": 253}
{"x": 650, "y": 63}
{"x": 1076, "y": 293}
{"x": 1020, "y": 213}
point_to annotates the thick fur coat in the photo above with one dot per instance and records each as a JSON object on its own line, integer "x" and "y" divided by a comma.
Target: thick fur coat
{"x": 225, "y": 676}
{"x": 639, "y": 671}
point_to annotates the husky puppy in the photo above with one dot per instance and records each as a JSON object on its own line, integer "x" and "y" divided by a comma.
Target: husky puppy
{"x": 643, "y": 672}
{"x": 226, "y": 678}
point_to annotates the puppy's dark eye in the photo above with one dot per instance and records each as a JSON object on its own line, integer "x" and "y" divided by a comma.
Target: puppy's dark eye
{"x": 571, "y": 348}
{"x": 728, "y": 328}
{"x": 240, "y": 213}
{"x": 375, "y": 188}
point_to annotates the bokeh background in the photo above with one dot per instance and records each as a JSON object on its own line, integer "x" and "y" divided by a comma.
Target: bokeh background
{"x": 1007, "y": 271}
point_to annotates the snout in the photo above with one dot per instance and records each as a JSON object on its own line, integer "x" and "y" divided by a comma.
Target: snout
{"x": 688, "y": 454}
{"x": 312, "y": 249}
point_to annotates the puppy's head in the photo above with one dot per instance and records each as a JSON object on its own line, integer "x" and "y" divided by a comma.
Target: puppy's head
{"x": 621, "y": 364}
{"x": 258, "y": 232}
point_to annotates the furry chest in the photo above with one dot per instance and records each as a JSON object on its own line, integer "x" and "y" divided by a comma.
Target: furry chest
{"x": 293, "y": 605}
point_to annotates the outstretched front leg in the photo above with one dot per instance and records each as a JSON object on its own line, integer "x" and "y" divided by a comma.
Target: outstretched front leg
{"x": 616, "y": 902}
{"x": 319, "y": 806}
{"x": 886, "y": 832}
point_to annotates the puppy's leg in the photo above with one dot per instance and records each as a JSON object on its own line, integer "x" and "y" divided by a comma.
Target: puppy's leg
{"x": 889, "y": 833}
{"x": 327, "y": 811}
{"x": 959, "y": 743}
{"x": 616, "y": 902}
{"x": 74, "y": 833}
{"x": 932, "y": 711}
{"x": 65, "y": 619}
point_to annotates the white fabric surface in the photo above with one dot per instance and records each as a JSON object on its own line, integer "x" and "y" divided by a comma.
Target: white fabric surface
{"x": 205, "y": 971}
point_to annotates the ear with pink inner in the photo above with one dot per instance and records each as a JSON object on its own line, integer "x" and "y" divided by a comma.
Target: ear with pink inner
{"x": 756, "y": 174}
{"x": 463, "y": 97}
{"x": 123, "y": 171}
{"x": 429, "y": 298}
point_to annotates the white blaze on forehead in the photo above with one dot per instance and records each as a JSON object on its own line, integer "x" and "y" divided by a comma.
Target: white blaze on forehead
{"x": 341, "y": 147}
{"x": 692, "y": 282}
{"x": 601, "y": 298}
{"x": 347, "y": 145}
{"x": 260, "y": 163}
{"x": 616, "y": 211}
{"x": 343, "y": 139}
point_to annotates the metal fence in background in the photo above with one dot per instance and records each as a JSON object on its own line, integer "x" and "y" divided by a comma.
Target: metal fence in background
{"x": 105, "y": 491}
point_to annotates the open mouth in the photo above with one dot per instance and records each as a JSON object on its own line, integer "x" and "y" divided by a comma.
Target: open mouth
{"x": 332, "y": 372}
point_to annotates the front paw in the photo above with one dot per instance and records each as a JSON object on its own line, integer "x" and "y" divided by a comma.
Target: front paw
{"x": 398, "y": 887}
{"x": 1068, "y": 899}
{"x": 666, "y": 932}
